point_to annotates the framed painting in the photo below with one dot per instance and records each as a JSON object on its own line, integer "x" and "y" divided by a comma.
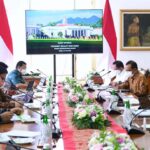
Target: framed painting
{"x": 134, "y": 29}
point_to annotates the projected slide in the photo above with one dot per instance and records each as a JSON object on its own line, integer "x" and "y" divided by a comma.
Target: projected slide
{"x": 64, "y": 31}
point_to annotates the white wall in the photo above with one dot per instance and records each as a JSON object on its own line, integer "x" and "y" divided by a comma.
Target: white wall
{"x": 141, "y": 57}
{"x": 16, "y": 15}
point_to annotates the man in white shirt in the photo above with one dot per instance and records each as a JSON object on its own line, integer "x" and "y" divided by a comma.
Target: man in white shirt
{"x": 121, "y": 74}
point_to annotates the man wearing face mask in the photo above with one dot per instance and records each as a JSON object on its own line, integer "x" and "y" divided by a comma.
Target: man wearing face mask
{"x": 15, "y": 78}
{"x": 136, "y": 83}
{"x": 121, "y": 74}
{"x": 7, "y": 106}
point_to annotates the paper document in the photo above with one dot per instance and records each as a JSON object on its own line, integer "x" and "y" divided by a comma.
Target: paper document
{"x": 23, "y": 118}
{"x": 22, "y": 133}
{"x": 35, "y": 105}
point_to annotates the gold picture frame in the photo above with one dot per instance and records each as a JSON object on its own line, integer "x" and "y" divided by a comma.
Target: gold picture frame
{"x": 134, "y": 30}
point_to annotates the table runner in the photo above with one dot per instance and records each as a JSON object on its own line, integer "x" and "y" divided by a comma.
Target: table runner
{"x": 73, "y": 138}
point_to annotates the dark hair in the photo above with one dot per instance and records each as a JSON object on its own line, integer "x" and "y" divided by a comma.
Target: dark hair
{"x": 20, "y": 64}
{"x": 118, "y": 63}
{"x": 3, "y": 68}
{"x": 3, "y": 65}
{"x": 133, "y": 64}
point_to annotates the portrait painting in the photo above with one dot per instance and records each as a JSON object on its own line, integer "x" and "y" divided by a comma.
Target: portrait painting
{"x": 135, "y": 30}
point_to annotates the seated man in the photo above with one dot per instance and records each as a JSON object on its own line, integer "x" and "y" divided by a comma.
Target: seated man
{"x": 121, "y": 74}
{"x": 7, "y": 107}
{"x": 15, "y": 78}
{"x": 136, "y": 83}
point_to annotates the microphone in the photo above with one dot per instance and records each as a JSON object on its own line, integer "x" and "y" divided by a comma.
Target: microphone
{"x": 56, "y": 132}
{"x": 101, "y": 71}
{"x": 34, "y": 73}
{"x": 132, "y": 129}
{"x": 106, "y": 73}
{"x": 42, "y": 72}
{"x": 99, "y": 98}
{"x": 54, "y": 84}
{"x": 13, "y": 146}
{"x": 28, "y": 97}
{"x": 41, "y": 83}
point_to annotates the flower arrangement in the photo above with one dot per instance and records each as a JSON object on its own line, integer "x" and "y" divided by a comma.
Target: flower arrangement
{"x": 108, "y": 140}
{"x": 73, "y": 99}
{"x": 76, "y": 96}
{"x": 71, "y": 82}
{"x": 89, "y": 116}
{"x": 88, "y": 98}
{"x": 80, "y": 98}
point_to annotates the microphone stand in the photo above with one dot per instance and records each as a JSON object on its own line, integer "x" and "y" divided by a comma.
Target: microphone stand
{"x": 54, "y": 84}
{"x": 26, "y": 94}
{"x": 14, "y": 145}
{"x": 106, "y": 73}
{"x": 42, "y": 72}
{"x": 101, "y": 71}
{"x": 134, "y": 129}
{"x": 43, "y": 82}
{"x": 113, "y": 111}
{"x": 43, "y": 103}
{"x": 56, "y": 133}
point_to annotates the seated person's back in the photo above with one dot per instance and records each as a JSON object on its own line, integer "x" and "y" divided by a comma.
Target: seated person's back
{"x": 7, "y": 106}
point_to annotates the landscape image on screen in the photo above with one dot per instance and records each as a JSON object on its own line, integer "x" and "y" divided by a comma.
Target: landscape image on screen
{"x": 64, "y": 31}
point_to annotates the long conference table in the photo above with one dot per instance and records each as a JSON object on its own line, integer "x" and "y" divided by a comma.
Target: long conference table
{"x": 73, "y": 138}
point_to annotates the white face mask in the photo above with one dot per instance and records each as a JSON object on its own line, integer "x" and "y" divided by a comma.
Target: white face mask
{"x": 23, "y": 71}
{"x": 118, "y": 71}
{"x": 130, "y": 73}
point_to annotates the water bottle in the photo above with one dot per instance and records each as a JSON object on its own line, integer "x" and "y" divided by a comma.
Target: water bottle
{"x": 48, "y": 93}
{"x": 50, "y": 80}
{"x": 127, "y": 115}
{"x": 46, "y": 130}
{"x": 113, "y": 101}
{"x": 48, "y": 108}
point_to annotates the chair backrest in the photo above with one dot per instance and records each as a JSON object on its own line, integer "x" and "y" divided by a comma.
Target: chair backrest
{"x": 144, "y": 101}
